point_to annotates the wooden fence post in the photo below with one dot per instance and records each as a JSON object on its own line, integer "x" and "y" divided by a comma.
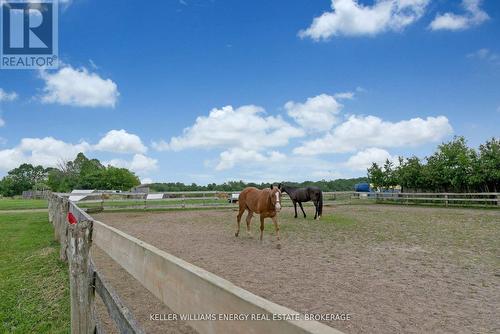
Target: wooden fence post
{"x": 446, "y": 200}
{"x": 62, "y": 228}
{"x": 50, "y": 208}
{"x": 56, "y": 216}
{"x": 80, "y": 277}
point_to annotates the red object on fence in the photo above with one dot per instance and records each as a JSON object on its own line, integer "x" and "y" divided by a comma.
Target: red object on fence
{"x": 71, "y": 218}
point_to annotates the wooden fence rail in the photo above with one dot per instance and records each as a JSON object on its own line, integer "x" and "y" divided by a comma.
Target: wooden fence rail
{"x": 446, "y": 199}
{"x": 120, "y": 201}
{"x": 183, "y": 287}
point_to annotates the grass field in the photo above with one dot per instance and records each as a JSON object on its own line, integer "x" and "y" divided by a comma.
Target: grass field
{"x": 22, "y": 204}
{"x": 34, "y": 284}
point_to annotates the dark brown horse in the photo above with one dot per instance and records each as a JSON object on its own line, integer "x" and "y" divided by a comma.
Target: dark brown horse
{"x": 299, "y": 195}
{"x": 266, "y": 203}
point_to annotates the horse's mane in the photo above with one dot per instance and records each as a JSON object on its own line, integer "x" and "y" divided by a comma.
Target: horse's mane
{"x": 291, "y": 188}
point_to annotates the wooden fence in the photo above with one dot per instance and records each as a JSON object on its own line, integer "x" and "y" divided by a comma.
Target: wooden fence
{"x": 183, "y": 287}
{"x": 36, "y": 194}
{"x": 213, "y": 199}
{"x": 443, "y": 199}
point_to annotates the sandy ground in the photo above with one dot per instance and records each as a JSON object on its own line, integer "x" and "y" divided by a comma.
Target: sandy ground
{"x": 394, "y": 269}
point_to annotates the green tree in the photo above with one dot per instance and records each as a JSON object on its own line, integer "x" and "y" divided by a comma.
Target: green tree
{"x": 24, "y": 177}
{"x": 453, "y": 167}
{"x": 116, "y": 178}
{"x": 488, "y": 165}
{"x": 84, "y": 173}
{"x": 450, "y": 167}
{"x": 325, "y": 185}
{"x": 376, "y": 175}
{"x": 389, "y": 175}
{"x": 410, "y": 174}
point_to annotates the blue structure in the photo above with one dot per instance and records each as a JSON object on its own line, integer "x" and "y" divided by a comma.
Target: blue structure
{"x": 362, "y": 187}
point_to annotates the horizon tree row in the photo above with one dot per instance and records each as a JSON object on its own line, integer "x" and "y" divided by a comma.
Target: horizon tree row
{"x": 81, "y": 173}
{"x": 452, "y": 167}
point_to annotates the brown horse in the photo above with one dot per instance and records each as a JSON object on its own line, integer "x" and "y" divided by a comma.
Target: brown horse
{"x": 266, "y": 202}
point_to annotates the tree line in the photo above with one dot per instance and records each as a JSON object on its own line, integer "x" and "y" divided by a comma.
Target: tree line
{"x": 332, "y": 185}
{"x": 81, "y": 173}
{"x": 452, "y": 167}
{"x": 85, "y": 173}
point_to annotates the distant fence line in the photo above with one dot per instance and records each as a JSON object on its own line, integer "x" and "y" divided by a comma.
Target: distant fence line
{"x": 218, "y": 199}
{"x": 36, "y": 194}
{"x": 183, "y": 287}
{"x": 446, "y": 199}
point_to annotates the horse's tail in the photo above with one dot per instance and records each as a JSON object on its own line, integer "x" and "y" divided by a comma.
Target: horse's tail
{"x": 320, "y": 203}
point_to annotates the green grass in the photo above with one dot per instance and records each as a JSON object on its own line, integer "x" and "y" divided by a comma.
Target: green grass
{"x": 22, "y": 204}
{"x": 34, "y": 285}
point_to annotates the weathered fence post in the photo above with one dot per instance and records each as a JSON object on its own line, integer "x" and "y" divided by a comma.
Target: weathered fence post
{"x": 50, "y": 208}
{"x": 80, "y": 277}
{"x": 446, "y": 200}
{"x": 62, "y": 228}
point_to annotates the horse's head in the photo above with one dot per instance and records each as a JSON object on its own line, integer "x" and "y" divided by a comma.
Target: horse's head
{"x": 275, "y": 196}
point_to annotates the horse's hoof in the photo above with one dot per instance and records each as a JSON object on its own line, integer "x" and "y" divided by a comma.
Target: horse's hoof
{"x": 278, "y": 246}
{"x": 236, "y": 234}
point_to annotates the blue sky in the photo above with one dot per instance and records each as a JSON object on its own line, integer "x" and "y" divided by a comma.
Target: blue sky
{"x": 209, "y": 91}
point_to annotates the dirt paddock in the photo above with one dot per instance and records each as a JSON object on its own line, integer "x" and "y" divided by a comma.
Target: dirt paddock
{"x": 394, "y": 269}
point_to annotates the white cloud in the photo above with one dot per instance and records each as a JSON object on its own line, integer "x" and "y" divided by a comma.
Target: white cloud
{"x": 228, "y": 159}
{"x": 244, "y": 127}
{"x": 344, "y": 96}
{"x": 448, "y": 21}
{"x": 160, "y": 145}
{"x": 49, "y": 152}
{"x": 120, "y": 141}
{"x": 78, "y": 87}
{"x": 139, "y": 163}
{"x": 46, "y": 151}
{"x": 246, "y": 137}
{"x": 326, "y": 174}
{"x": 146, "y": 180}
{"x": 364, "y": 159}
{"x": 350, "y": 18}
{"x": 290, "y": 168}
{"x": 318, "y": 113}
{"x": 359, "y": 132}
{"x": 485, "y": 55}
{"x": 5, "y": 96}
